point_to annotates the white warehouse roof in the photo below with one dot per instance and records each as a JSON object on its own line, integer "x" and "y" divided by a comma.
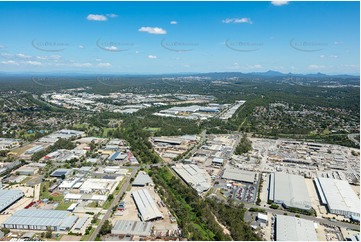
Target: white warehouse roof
{"x": 294, "y": 229}
{"x": 339, "y": 196}
{"x": 8, "y": 197}
{"x": 147, "y": 208}
{"x": 289, "y": 190}
{"x": 195, "y": 177}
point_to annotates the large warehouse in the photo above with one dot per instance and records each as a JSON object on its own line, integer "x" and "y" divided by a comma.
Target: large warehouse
{"x": 289, "y": 190}
{"x": 147, "y": 208}
{"x": 193, "y": 176}
{"x": 127, "y": 227}
{"x": 38, "y": 219}
{"x": 9, "y": 197}
{"x": 338, "y": 196}
{"x": 240, "y": 175}
{"x": 294, "y": 229}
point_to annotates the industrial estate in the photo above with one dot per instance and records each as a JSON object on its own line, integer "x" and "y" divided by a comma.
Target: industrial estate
{"x": 171, "y": 121}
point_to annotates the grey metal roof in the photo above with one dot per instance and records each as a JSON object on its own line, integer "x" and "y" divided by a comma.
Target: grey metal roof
{"x": 38, "y": 217}
{"x": 195, "y": 177}
{"x": 339, "y": 195}
{"x": 142, "y": 179}
{"x": 127, "y": 227}
{"x": 146, "y": 205}
{"x": 80, "y": 223}
{"x": 239, "y": 175}
{"x": 291, "y": 190}
{"x": 294, "y": 229}
{"x": 8, "y": 197}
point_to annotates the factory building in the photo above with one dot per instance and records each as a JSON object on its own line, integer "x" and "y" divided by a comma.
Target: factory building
{"x": 9, "y": 197}
{"x": 240, "y": 175}
{"x": 289, "y": 190}
{"x": 294, "y": 229}
{"x": 193, "y": 176}
{"x": 338, "y": 196}
{"x": 147, "y": 208}
{"x": 142, "y": 179}
{"x": 135, "y": 228}
{"x": 38, "y": 219}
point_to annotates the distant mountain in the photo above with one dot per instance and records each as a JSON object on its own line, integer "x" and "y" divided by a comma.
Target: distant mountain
{"x": 272, "y": 73}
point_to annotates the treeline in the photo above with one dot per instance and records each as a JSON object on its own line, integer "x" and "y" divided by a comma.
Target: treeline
{"x": 232, "y": 216}
{"x": 60, "y": 144}
{"x": 192, "y": 213}
{"x": 244, "y": 145}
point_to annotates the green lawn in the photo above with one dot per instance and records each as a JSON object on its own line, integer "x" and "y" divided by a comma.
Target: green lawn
{"x": 63, "y": 205}
{"x": 45, "y": 194}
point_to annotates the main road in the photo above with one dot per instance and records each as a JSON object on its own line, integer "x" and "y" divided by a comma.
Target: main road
{"x": 114, "y": 203}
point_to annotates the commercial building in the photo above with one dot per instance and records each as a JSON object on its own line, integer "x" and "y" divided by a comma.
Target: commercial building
{"x": 9, "y": 197}
{"x": 289, "y": 190}
{"x": 94, "y": 185}
{"x": 193, "y": 176}
{"x": 136, "y": 228}
{"x": 142, "y": 179}
{"x": 289, "y": 228}
{"x": 240, "y": 175}
{"x": 147, "y": 208}
{"x": 27, "y": 170}
{"x": 60, "y": 172}
{"x": 338, "y": 196}
{"x": 38, "y": 219}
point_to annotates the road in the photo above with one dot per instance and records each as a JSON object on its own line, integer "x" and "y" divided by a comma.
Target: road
{"x": 352, "y": 137}
{"x": 114, "y": 203}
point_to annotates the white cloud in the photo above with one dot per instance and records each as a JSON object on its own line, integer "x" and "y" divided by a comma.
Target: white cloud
{"x": 152, "y": 30}
{"x": 137, "y": 52}
{"x": 34, "y": 63}
{"x": 98, "y": 59}
{"x": 237, "y": 20}
{"x": 52, "y": 57}
{"x": 279, "y": 3}
{"x": 106, "y": 64}
{"x": 81, "y": 46}
{"x": 10, "y": 62}
{"x": 23, "y": 56}
{"x": 112, "y": 15}
{"x": 173, "y": 22}
{"x": 111, "y": 48}
{"x": 316, "y": 67}
{"x": 82, "y": 64}
{"x": 257, "y": 66}
{"x": 96, "y": 17}
{"x": 152, "y": 56}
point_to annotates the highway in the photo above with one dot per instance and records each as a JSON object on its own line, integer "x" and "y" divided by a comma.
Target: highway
{"x": 114, "y": 203}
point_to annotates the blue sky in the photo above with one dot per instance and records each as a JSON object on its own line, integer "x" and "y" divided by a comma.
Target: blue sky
{"x": 177, "y": 37}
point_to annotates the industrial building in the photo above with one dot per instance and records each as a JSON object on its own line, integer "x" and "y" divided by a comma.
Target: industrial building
{"x": 193, "y": 176}
{"x": 142, "y": 179}
{"x": 289, "y": 190}
{"x": 136, "y": 228}
{"x": 338, "y": 196}
{"x": 9, "y": 197}
{"x": 27, "y": 171}
{"x": 240, "y": 175}
{"x": 294, "y": 229}
{"x": 94, "y": 185}
{"x": 60, "y": 172}
{"x": 38, "y": 219}
{"x": 147, "y": 208}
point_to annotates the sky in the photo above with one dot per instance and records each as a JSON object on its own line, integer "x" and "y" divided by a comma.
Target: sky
{"x": 180, "y": 37}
